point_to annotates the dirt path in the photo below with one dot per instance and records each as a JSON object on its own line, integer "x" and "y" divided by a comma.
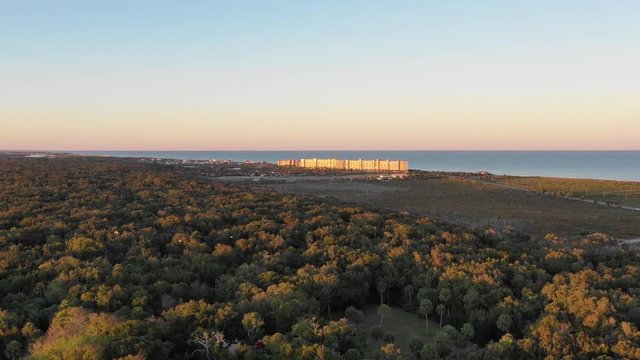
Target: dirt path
{"x": 630, "y": 241}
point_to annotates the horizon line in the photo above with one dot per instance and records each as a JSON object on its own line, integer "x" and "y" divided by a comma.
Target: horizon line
{"x": 316, "y": 150}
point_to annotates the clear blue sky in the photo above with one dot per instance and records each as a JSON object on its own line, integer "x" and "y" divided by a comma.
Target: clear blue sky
{"x": 314, "y": 74}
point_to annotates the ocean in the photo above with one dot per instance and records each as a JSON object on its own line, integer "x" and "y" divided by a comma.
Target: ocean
{"x": 612, "y": 165}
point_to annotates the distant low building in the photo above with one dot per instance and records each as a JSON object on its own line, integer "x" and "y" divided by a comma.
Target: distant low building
{"x": 339, "y": 164}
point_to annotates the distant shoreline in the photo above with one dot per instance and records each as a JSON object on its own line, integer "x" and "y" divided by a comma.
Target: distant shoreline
{"x": 615, "y": 165}
{"x": 603, "y": 165}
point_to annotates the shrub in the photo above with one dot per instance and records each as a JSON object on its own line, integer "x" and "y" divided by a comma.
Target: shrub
{"x": 352, "y": 354}
{"x": 354, "y": 315}
{"x": 389, "y": 338}
{"x": 415, "y": 345}
{"x": 376, "y": 332}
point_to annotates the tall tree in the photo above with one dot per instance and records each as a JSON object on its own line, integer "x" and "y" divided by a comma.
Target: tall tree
{"x": 382, "y": 285}
{"x": 440, "y": 309}
{"x": 426, "y": 307}
{"x": 382, "y": 309}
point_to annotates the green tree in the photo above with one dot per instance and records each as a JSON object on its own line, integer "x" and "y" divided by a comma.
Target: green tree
{"x": 426, "y": 307}
{"x": 382, "y": 285}
{"x": 382, "y": 309}
{"x": 13, "y": 351}
{"x": 376, "y": 332}
{"x": 429, "y": 352}
{"x": 445, "y": 297}
{"x": 415, "y": 345}
{"x": 354, "y": 315}
{"x": 353, "y": 354}
{"x": 504, "y": 322}
{"x": 467, "y": 331}
{"x": 440, "y": 309}
{"x": 407, "y": 292}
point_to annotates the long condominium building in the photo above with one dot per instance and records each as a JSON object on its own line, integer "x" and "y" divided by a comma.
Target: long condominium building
{"x": 339, "y": 164}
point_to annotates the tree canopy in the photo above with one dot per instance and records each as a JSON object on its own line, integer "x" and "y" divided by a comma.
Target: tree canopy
{"x": 106, "y": 258}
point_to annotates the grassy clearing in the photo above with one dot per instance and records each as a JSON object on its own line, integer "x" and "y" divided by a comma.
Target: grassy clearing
{"x": 476, "y": 203}
{"x": 617, "y": 192}
{"x": 404, "y": 325}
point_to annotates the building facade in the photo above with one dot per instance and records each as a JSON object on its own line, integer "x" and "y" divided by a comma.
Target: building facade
{"x": 339, "y": 164}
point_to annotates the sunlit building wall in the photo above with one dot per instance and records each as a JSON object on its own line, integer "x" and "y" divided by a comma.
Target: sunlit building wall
{"x": 339, "y": 164}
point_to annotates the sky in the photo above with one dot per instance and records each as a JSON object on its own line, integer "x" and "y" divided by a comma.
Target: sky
{"x": 319, "y": 75}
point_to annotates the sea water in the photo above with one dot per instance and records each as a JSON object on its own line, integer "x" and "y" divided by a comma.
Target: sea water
{"x": 613, "y": 165}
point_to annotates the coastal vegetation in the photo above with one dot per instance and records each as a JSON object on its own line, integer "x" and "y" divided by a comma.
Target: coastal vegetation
{"x": 475, "y": 201}
{"x": 607, "y": 191}
{"x": 115, "y": 259}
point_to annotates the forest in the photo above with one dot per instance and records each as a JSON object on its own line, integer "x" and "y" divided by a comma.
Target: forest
{"x": 115, "y": 259}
